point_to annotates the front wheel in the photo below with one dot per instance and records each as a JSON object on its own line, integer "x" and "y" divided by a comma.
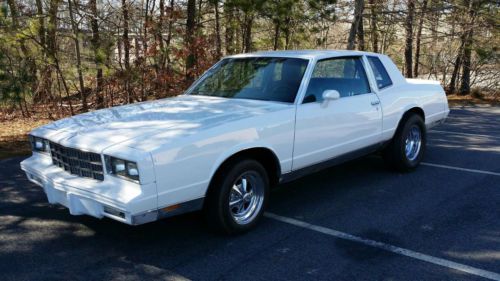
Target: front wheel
{"x": 407, "y": 148}
{"x": 237, "y": 197}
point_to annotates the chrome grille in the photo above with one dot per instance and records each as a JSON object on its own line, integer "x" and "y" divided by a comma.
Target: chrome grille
{"x": 77, "y": 162}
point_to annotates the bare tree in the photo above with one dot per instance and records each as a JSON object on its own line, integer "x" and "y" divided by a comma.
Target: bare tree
{"x": 96, "y": 44}
{"x": 218, "y": 40}
{"x": 467, "y": 52}
{"x": 169, "y": 33}
{"x": 409, "y": 38}
{"x": 358, "y": 18}
{"x": 126, "y": 48}
{"x": 373, "y": 24}
{"x": 423, "y": 11}
{"x": 190, "y": 33}
{"x": 76, "y": 33}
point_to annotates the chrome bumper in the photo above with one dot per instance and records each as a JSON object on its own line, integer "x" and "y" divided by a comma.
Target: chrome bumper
{"x": 119, "y": 200}
{"x": 114, "y": 198}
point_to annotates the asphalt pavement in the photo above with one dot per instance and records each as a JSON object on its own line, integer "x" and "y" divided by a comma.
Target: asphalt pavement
{"x": 356, "y": 221}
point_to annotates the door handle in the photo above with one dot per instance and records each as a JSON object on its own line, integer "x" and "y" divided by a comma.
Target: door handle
{"x": 375, "y": 102}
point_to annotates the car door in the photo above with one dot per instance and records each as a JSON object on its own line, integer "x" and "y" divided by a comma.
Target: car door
{"x": 329, "y": 128}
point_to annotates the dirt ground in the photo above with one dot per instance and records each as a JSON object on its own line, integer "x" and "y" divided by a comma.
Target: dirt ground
{"x": 14, "y": 135}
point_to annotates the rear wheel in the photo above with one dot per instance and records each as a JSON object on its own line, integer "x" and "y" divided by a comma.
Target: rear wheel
{"x": 237, "y": 197}
{"x": 407, "y": 148}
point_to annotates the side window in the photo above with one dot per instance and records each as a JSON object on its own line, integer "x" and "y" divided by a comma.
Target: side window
{"x": 381, "y": 75}
{"x": 345, "y": 74}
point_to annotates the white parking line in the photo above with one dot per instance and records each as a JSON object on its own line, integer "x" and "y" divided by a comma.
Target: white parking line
{"x": 464, "y": 134}
{"x": 460, "y": 169}
{"x": 388, "y": 247}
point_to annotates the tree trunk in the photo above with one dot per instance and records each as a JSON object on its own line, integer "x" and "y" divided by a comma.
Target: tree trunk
{"x": 456, "y": 67}
{"x": 419, "y": 36}
{"x": 247, "y": 34}
{"x": 41, "y": 21}
{"x": 435, "y": 15}
{"x": 218, "y": 40}
{"x": 159, "y": 36}
{"x": 145, "y": 33}
{"x": 277, "y": 29}
{"x": 52, "y": 29}
{"x": 361, "y": 36}
{"x": 76, "y": 32}
{"x": 409, "y": 38}
{"x": 169, "y": 34}
{"x": 96, "y": 44}
{"x": 358, "y": 17}
{"x": 467, "y": 54}
{"x": 229, "y": 32}
{"x": 51, "y": 41}
{"x": 189, "y": 45}
{"x": 44, "y": 91}
{"x": 373, "y": 25}
{"x": 126, "y": 49}
{"x": 287, "y": 30}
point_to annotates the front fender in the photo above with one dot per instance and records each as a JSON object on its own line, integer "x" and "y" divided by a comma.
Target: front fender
{"x": 237, "y": 149}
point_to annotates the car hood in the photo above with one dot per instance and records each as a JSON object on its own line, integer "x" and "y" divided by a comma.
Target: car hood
{"x": 99, "y": 129}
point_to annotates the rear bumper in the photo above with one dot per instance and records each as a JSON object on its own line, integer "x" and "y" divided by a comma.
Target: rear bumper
{"x": 120, "y": 200}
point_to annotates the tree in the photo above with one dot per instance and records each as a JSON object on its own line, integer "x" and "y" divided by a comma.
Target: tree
{"x": 76, "y": 33}
{"x": 409, "y": 38}
{"x": 373, "y": 25}
{"x": 473, "y": 6}
{"x": 126, "y": 49}
{"x": 96, "y": 48}
{"x": 138, "y": 50}
{"x": 355, "y": 25}
{"x": 423, "y": 11}
{"x": 190, "y": 39}
{"x": 218, "y": 40}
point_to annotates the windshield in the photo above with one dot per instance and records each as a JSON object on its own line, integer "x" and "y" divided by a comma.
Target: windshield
{"x": 260, "y": 78}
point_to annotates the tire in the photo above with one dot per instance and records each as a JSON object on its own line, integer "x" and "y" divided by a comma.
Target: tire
{"x": 228, "y": 209}
{"x": 405, "y": 156}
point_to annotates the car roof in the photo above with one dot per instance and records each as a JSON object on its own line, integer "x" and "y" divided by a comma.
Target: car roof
{"x": 304, "y": 54}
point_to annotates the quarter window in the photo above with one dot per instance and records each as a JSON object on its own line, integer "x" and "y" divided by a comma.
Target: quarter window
{"x": 346, "y": 75}
{"x": 381, "y": 75}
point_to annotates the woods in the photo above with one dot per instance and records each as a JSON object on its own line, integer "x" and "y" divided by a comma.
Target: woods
{"x": 62, "y": 57}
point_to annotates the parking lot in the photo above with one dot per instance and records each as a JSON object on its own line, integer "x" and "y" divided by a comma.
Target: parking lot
{"x": 356, "y": 221}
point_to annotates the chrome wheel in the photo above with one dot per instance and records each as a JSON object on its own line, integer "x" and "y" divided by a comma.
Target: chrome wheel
{"x": 246, "y": 197}
{"x": 413, "y": 143}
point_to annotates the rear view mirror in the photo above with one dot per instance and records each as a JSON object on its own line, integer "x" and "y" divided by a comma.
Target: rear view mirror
{"x": 331, "y": 95}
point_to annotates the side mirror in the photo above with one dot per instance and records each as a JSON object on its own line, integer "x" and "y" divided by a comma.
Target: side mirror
{"x": 329, "y": 95}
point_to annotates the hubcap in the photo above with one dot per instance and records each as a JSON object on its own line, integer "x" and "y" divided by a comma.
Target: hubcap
{"x": 413, "y": 143}
{"x": 246, "y": 197}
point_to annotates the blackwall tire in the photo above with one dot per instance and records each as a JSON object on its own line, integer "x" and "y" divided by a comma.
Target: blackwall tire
{"x": 407, "y": 148}
{"x": 237, "y": 197}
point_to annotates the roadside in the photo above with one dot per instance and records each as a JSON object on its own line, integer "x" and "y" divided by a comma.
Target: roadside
{"x": 14, "y": 135}
{"x": 471, "y": 100}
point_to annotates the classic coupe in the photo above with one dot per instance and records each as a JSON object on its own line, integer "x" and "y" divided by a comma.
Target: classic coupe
{"x": 250, "y": 122}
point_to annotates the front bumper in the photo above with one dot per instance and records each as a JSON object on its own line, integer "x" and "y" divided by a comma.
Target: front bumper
{"x": 115, "y": 198}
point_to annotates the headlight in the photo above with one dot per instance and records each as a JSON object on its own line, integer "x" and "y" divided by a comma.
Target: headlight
{"x": 39, "y": 144}
{"x": 122, "y": 168}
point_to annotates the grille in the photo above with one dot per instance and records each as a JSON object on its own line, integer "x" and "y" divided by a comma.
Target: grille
{"x": 77, "y": 162}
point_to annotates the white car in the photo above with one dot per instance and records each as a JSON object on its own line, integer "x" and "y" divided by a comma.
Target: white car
{"x": 250, "y": 122}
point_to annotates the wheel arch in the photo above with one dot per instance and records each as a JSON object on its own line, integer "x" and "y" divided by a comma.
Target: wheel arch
{"x": 264, "y": 155}
{"x": 407, "y": 113}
